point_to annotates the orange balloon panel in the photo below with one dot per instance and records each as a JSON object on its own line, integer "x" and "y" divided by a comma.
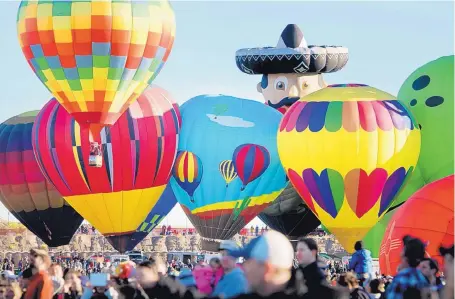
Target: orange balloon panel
{"x": 428, "y": 214}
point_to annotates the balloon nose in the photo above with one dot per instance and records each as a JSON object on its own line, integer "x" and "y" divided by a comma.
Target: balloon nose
{"x": 293, "y": 92}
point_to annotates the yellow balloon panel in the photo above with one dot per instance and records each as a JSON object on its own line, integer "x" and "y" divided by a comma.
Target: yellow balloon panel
{"x": 116, "y": 212}
{"x": 348, "y": 150}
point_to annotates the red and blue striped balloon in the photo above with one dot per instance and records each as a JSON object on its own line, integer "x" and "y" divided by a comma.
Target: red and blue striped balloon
{"x": 250, "y": 162}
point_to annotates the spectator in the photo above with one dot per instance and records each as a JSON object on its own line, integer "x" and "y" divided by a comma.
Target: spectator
{"x": 361, "y": 263}
{"x": 409, "y": 277}
{"x": 429, "y": 269}
{"x": 40, "y": 285}
{"x": 349, "y": 280}
{"x": 376, "y": 289}
{"x": 447, "y": 253}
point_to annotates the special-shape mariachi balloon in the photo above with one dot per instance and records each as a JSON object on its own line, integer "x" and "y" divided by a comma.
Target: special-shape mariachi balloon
{"x": 348, "y": 150}
{"x": 96, "y": 57}
{"x": 160, "y": 210}
{"x": 139, "y": 151}
{"x": 227, "y": 170}
{"x": 24, "y": 190}
{"x": 427, "y": 215}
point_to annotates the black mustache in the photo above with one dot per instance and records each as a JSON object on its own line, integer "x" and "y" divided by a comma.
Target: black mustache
{"x": 287, "y": 101}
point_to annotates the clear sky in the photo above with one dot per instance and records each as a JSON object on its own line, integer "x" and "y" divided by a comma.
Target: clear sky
{"x": 387, "y": 40}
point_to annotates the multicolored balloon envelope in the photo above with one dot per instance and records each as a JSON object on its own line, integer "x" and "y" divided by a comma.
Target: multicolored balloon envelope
{"x": 289, "y": 215}
{"x": 227, "y": 169}
{"x": 428, "y": 215}
{"x": 162, "y": 207}
{"x": 139, "y": 151}
{"x": 24, "y": 190}
{"x": 348, "y": 150}
{"x": 96, "y": 57}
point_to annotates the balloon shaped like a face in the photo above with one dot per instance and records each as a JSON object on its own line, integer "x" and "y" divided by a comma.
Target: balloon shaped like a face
{"x": 24, "y": 190}
{"x": 427, "y": 215}
{"x": 96, "y": 57}
{"x": 429, "y": 94}
{"x": 348, "y": 150}
{"x": 139, "y": 151}
{"x": 227, "y": 169}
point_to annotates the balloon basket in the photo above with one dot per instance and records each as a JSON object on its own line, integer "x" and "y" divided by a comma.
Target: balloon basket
{"x": 95, "y": 159}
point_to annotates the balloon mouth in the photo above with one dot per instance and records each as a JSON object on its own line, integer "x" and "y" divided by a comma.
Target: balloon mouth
{"x": 284, "y": 103}
{"x": 420, "y": 127}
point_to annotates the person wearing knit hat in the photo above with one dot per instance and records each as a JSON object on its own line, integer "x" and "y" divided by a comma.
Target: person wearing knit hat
{"x": 292, "y": 69}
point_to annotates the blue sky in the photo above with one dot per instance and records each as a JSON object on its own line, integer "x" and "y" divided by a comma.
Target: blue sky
{"x": 386, "y": 40}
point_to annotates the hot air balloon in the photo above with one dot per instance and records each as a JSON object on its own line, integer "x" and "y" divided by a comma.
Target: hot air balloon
{"x": 227, "y": 170}
{"x": 348, "y": 150}
{"x": 96, "y": 57}
{"x": 24, "y": 190}
{"x": 427, "y": 215}
{"x": 289, "y": 215}
{"x": 139, "y": 151}
{"x": 161, "y": 208}
{"x": 242, "y": 131}
{"x": 250, "y": 162}
{"x": 188, "y": 171}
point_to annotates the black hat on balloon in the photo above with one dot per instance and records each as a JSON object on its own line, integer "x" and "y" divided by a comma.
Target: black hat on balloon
{"x": 292, "y": 55}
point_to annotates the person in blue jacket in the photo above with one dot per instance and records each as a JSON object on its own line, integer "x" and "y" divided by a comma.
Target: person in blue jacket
{"x": 361, "y": 263}
{"x": 233, "y": 282}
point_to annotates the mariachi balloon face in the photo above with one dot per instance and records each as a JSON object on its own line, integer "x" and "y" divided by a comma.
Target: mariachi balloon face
{"x": 280, "y": 91}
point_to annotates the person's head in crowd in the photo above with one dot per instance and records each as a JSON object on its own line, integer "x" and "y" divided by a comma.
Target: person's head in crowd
{"x": 307, "y": 251}
{"x": 429, "y": 268}
{"x": 376, "y": 286}
{"x": 147, "y": 273}
{"x": 228, "y": 262}
{"x": 268, "y": 262}
{"x": 39, "y": 259}
{"x": 358, "y": 245}
{"x": 348, "y": 280}
{"x": 215, "y": 263}
{"x": 56, "y": 270}
{"x": 412, "y": 253}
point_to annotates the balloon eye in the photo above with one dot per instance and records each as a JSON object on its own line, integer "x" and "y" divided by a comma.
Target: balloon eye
{"x": 280, "y": 86}
{"x": 434, "y": 101}
{"x": 413, "y": 102}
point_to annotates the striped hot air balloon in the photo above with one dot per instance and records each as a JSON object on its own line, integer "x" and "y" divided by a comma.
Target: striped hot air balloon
{"x": 250, "y": 162}
{"x": 24, "y": 190}
{"x": 188, "y": 171}
{"x": 227, "y": 170}
{"x": 139, "y": 151}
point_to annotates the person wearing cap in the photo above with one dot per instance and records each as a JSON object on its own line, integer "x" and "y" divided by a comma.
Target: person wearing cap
{"x": 233, "y": 281}
{"x": 409, "y": 276}
{"x": 268, "y": 262}
{"x": 292, "y": 69}
{"x": 40, "y": 285}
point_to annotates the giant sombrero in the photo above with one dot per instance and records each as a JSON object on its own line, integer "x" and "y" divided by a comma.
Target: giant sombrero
{"x": 292, "y": 55}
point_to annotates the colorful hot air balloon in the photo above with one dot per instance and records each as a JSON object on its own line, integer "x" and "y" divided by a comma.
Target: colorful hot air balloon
{"x": 25, "y": 192}
{"x": 227, "y": 170}
{"x": 289, "y": 215}
{"x": 188, "y": 172}
{"x": 250, "y": 162}
{"x": 161, "y": 208}
{"x": 96, "y": 57}
{"x": 213, "y": 128}
{"x": 348, "y": 150}
{"x": 139, "y": 151}
{"x": 427, "y": 215}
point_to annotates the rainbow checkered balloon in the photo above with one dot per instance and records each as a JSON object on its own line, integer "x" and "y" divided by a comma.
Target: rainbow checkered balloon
{"x": 348, "y": 149}
{"x": 96, "y": 57}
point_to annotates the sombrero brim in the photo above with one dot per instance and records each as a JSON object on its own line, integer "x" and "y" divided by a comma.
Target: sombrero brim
{"x": 314, "y": 59}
